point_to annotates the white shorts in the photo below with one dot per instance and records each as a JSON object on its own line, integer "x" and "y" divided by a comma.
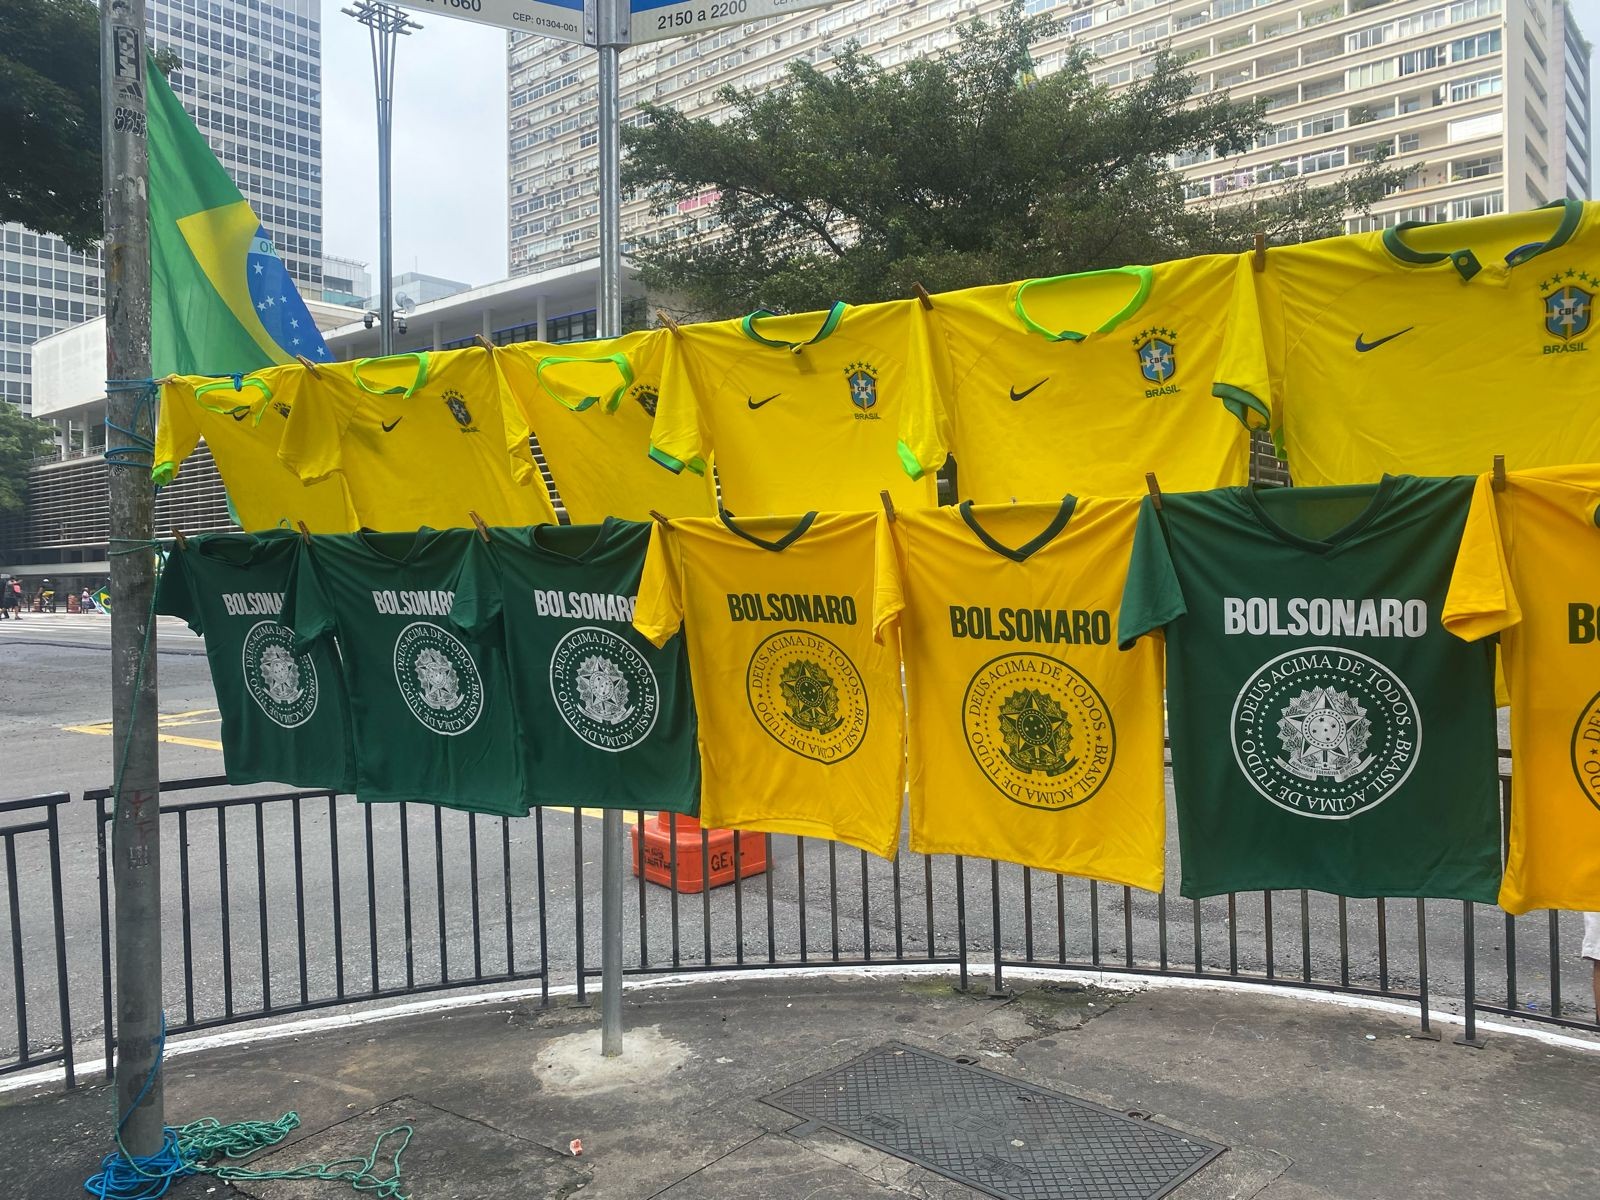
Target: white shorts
{"x": 1591, "y": 936}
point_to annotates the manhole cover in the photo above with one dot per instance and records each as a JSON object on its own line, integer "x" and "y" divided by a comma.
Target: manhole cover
{"x": 1001, "y": 1136}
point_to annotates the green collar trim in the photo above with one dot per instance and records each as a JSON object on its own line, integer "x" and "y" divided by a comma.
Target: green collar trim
{"x": 781, "y": 544}
{"x": 1381, "y": 493}
{"x": 1028, "y": 548}
{"x": 614, "y": 398}
{"x": 1144, "y": 275}
{"x": 237, "y": 386}
{"x": 747, "y": 325}
{"x": 1464, "y": 260}
{"x": 421, "y": 377}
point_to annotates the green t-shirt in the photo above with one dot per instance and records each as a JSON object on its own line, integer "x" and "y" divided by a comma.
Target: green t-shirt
{"x": 1327, "y": 732}
{"x": 607, "y": 719}
{"x": 432, "y": 714}
{"x": 285, "y": 718}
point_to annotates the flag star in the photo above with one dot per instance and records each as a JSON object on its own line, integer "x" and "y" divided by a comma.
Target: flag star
{"x": 294, "y": 324}
{"x": 295, "y": 342}
{"x": 322, "y": 351}
{"x": 258, "y": 268}
{"x": 269, "y": 301}
{"x": 262, "y": 307}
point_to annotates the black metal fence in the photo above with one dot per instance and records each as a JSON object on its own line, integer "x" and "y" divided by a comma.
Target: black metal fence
{"x": 283, "y": 902}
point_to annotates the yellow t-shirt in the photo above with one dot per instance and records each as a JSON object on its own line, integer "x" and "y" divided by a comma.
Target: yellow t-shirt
{"x": 243, "y": 426}
{"x": 802, "y": 412}
{"x": 1036, "y": 740}
{"x": 1529, "y": 569}
{"x": 802, "y": 721}
{"x": 591, "y": 405}
{"x": 421, "y": 440}
{"x": 1379, "y": 341}
{"x": 1083, "y": 383}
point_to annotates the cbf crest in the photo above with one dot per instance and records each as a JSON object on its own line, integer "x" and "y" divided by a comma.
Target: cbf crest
{"x": 1158, "y": 359}
{"x": 457, "y": 404}
{"x": 1568, "y": 308}
{"x": 863, "y": 380}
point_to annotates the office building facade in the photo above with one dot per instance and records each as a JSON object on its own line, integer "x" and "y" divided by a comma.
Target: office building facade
{"x": 1483, "y": 103}
{"x": 251, "y": 76}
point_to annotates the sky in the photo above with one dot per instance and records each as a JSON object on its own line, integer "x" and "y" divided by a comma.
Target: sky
{"x": 449, "y": 144}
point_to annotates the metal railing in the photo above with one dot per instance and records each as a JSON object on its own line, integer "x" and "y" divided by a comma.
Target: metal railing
{"x": 283, "y": 902}
{"x": 26, "y": 820}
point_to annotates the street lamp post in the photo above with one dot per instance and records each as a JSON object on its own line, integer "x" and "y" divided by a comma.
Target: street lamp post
{"x": 386, "y": 24}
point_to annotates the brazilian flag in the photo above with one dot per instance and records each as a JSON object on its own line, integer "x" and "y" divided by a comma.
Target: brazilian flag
{"x": 222, "y": 302}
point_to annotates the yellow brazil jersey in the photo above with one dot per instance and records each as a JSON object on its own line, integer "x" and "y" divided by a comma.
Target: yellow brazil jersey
{"x": 802, "y": 412}
{"x": 242, "y": 421}
{"x": 1485, "y": 328}
{"x": 1083, "y": 383}
{"x": 802, "y": 721}
{"x": 420, "y": 439}
{"x": 1529, "y": 569}
{"x": 1036, "y": 740}
{"x": 591, "y": 405}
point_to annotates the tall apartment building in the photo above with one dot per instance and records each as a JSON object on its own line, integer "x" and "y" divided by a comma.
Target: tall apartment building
{"x": 1484, "y": 103}
{"x": 251, "y": 77}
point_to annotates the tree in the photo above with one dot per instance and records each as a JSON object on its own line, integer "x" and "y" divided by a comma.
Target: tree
{"x": 22, "y": 439}
{"x": 50, "y": 118}
{"x": 958, "y": 169}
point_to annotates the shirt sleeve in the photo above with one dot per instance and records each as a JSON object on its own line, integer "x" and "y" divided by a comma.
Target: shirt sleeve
{"x": 925, "y": 435}
{"x": 314, "y": 433}
{"x": 888, "y": 594}
{"x": 306, "y": 608}
{"x": 1481, "y": 600}
{"x": 1241, "y": 380}
{"x": 175, "y": 591}
{"x": 1152, "y": 598}
{"x": 678, "y": 438}
{"x": 177, "y": 429}
{"x": 659, "y": 612}
{"x": 479, "y": 596}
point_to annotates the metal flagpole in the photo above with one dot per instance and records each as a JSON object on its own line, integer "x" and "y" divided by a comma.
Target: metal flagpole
{"x": 130, "y": 419}
{"x": 386, "y": 24}
{"x": 609, "y": 30}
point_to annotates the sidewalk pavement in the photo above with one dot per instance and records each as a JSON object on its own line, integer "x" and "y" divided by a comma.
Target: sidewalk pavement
{"x": 1316, "y": 1101}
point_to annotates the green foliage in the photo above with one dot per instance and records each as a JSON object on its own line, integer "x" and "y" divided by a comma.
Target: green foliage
{"x": 50, "y": 117}
{"x": 22, "y": 439}
{"x": 958, "y": 169}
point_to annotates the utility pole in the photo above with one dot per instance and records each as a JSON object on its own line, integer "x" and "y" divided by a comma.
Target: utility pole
{"x": 386, "y": 25}
{"x": 610, "y": 39}
{"x": 130, "y": 417}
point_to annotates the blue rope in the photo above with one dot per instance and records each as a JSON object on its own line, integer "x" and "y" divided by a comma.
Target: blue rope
{"x": 140, "y": 448}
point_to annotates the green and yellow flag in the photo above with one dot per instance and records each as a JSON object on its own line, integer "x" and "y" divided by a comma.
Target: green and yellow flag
{"x": 222, "y": 301}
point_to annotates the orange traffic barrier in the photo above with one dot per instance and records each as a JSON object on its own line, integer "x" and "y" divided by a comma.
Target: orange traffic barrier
{"x": 700, "y": 851}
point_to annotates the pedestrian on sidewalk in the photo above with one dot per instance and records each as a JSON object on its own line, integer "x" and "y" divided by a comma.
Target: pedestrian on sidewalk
{"x": 1591, "y": 951}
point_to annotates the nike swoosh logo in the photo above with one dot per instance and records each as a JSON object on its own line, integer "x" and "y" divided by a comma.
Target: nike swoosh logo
{"x": 388, "y": 426}
{"x": 755, "y": 404}
{"x": 1016, "y": 395}
{"x": 1362, "y": 346}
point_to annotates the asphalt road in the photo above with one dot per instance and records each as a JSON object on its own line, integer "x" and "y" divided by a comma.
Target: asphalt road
{"x": 284, "y": 867}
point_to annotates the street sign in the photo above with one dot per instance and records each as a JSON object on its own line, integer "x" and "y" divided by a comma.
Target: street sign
{"x": 564, "y": 19}
{"x": 653, "y": 20}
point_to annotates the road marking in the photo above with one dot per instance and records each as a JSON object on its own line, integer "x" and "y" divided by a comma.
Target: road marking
{"x": 164, "y": 721}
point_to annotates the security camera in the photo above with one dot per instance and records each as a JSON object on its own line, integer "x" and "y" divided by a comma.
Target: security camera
{"x": 399, "y": 322}
{"x": 368, "y": 317}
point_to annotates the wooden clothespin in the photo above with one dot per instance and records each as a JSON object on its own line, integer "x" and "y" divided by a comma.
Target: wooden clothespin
{"x": 483, "y": 530}
{"x": 888, "y": 504}
{"x": 305, "y": 534}
{"x": 665, "y": 523}
{"x": 922, "y": 295}
{"x": 177, "y": 536}
{"x": 1155, "y": 488}
{"x": 667, "y": 321}
{"x": 1497, "y": 479}
{"x": 1260, "y": 260}
{"x": 308, "y": 365}
{"x": 484, "y": 342}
